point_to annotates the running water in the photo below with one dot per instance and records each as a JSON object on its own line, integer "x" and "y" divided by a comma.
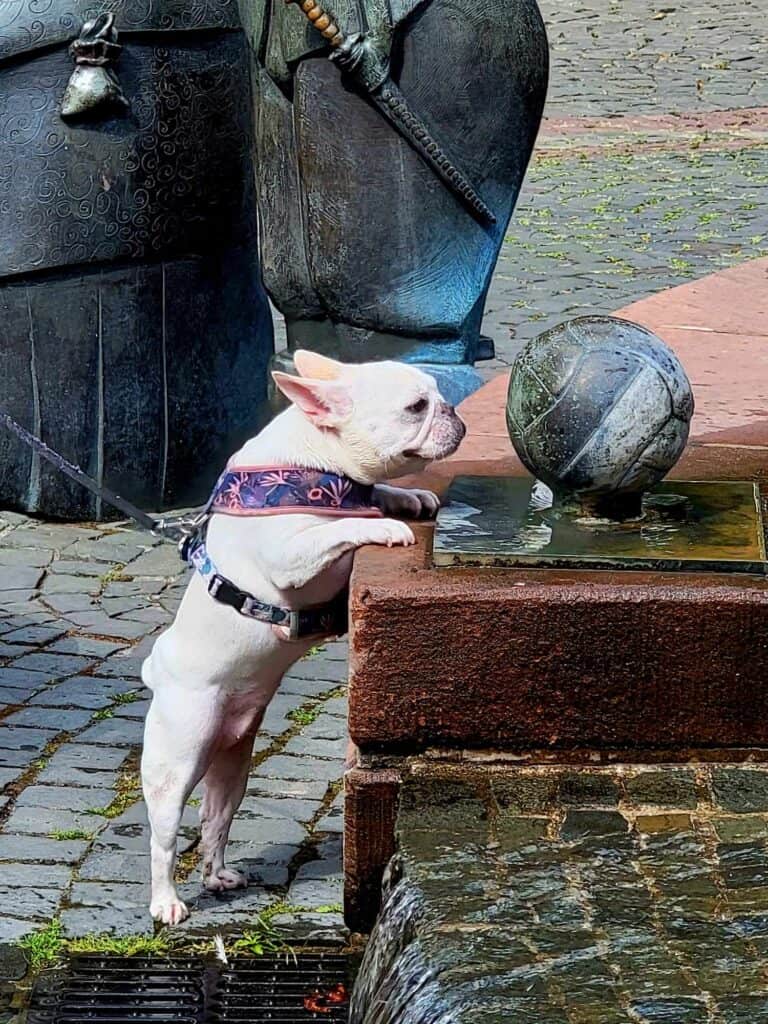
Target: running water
{"x": 395, "y": 985}
{"x": 574, "y": 895}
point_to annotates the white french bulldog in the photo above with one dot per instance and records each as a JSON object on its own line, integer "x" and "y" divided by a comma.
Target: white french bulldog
{"x": 214, "y": 671}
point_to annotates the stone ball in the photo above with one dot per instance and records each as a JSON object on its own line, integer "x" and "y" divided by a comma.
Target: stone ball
{"x": 598, "y": 406}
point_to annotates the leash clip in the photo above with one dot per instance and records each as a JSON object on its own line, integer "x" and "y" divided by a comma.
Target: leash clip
{"x": 294, "y": 626}
{"x": 182, "y": 529}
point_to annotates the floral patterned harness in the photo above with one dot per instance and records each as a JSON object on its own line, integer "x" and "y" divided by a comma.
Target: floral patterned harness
{"x": 264, "y": 491}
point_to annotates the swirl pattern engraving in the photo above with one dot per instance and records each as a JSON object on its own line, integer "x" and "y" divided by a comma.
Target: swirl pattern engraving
{"x": 27, "y": 25}
{"x": 171, "y": 176}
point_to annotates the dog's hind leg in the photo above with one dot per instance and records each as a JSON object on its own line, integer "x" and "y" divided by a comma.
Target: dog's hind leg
{"x": 178, "y": 738}
{"x": 225, "y": 783}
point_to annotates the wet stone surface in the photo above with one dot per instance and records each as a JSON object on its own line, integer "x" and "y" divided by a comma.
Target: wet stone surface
{"x": 627, "y": 894}
{"x": 73, "y": 833}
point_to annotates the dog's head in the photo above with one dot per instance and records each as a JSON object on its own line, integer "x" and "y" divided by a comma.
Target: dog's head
{"x": 389, "y": 418}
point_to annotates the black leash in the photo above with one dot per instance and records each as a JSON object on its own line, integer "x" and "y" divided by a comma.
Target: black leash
{"x": 172, "y": 530}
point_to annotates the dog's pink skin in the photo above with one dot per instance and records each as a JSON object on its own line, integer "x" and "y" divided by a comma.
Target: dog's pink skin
{"x": 214, "y": 672}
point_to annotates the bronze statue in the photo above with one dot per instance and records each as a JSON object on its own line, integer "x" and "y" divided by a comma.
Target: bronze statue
{"x": 135, "y": 331}
{"x": 387, "y": 175}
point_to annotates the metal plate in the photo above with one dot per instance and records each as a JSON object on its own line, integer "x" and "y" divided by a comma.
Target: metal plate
{"x": 510, "y": 522}
{"x": 120, "y": 990}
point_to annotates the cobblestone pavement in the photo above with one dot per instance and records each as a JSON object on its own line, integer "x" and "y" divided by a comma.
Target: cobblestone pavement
{"x": 594, "y": 234}
{"x": 628, "y": 895}
{"x": 80, "y": 608}
{"x": 622, "y": 57}
{"x": 624, "y": 198}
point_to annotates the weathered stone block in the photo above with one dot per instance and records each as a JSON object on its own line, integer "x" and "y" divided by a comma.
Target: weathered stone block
{"x": 116, "y": 732}
{"x": 302, "y": 789}
{"x": 313, "y": 929}
{"x": 53, "y": 666}
{"x": 44, "y": 821}
{"x": 531, "y": 660}
{"x": 58, "y": 719}
{"x": 46, "y": 851}
{"x": 115, "y": 866}
{"x": 742, "y": 790}
{"x": 298, "y": 768}
{"x": 261, "y": 807}
{"x": 118, "y": 895}
{"x": 31, "y": 902}
{"x": 20, "y": 876}
{"x": 106, "y": 921}
{"x": 583, "y": 824}
{"x": 277, "y": 830}
{"x": 588, "y": 788}
{"x": 669, "y": 786}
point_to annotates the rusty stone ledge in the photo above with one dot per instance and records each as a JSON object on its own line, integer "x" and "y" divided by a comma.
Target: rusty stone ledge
{"x": 553, "y": 660}
{"x": 370, "y": 813}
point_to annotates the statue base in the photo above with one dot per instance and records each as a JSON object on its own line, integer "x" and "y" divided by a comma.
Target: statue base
{"x": 683, "y": 526}
{"x": 450, "y": 360}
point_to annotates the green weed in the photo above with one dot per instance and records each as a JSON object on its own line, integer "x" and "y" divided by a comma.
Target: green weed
{"x": 131, "y": 945}
{"x": 113, "y": 575}
{"x": 43, "y": 948}
{"x": 127, "y": 698}
{"x": 304, "y": 715}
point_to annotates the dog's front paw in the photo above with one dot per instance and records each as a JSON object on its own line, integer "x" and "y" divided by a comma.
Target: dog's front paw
{"x": 429, "y": 503}
{"x": 413, "y": 504}
{"x": 389, "y": 532}
{"x": 225, "y": 878}
{"x": 169, "y": 911}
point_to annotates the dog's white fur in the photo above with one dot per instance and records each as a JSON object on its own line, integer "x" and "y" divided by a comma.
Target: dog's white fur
{"x": 213, "y": 672}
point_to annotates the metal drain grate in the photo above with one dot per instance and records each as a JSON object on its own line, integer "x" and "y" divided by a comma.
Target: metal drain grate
{"x": 313, "y": 988}
{"x": 114, "y": 990}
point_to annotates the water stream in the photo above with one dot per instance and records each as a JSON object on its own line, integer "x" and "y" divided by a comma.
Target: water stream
{"x": 631, "y": 894}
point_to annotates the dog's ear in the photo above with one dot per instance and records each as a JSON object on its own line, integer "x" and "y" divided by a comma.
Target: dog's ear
{"x": 316, "y": 367}
{"x": 324, "y": 403}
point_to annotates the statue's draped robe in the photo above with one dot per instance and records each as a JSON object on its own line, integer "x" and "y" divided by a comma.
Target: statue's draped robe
{"x": 355, "y": 227}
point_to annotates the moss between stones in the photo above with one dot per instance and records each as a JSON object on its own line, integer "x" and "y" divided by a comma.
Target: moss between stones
{"x": 47, "y": 947}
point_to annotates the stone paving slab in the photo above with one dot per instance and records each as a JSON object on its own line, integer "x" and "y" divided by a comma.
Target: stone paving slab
{"x": 627, "y": 56}
{"x": 594, "y": 232}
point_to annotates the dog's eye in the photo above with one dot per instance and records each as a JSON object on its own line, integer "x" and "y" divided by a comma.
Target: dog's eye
{"x": 418, "y": 407}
